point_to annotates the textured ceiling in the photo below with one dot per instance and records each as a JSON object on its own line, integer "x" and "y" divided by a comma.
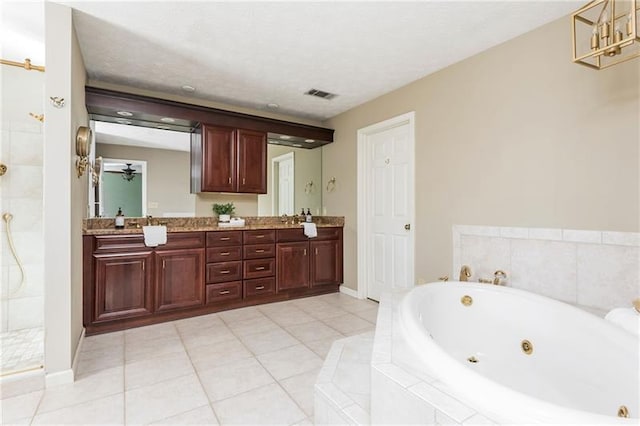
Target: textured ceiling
{"x": 252, "y": 54}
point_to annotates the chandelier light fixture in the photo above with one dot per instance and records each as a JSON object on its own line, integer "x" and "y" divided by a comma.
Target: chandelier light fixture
{"x": 605, "y": 33}
{"x": 128, "y": 174}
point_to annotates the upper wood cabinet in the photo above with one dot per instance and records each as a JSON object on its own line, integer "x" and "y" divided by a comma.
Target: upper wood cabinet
{"x": 224, "y": 159}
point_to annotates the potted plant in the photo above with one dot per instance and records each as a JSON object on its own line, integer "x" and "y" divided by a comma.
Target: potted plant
{"x": 224, "y": 211}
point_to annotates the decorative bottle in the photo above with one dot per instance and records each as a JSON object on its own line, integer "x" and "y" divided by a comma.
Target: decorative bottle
{"x": 309, "y": 217}
{"x": 119, "y": 219}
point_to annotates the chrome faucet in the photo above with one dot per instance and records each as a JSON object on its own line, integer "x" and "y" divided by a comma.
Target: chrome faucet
{"x": 465, "y": 273}
{"x": 149, "y": 217}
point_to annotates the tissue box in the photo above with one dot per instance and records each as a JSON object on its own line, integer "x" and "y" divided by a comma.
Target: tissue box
{"x": 233, "y": 222}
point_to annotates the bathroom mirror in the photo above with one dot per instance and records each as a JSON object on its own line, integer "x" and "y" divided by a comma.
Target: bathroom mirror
{"x": 294, "y": 176}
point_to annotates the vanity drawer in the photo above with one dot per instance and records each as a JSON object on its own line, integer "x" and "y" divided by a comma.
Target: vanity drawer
{"x": 224, "y": 238}
{"x": 224, "y": 271}
{"x": 105, "y": 243}
{"x": 224, "y": 254}
{"x": 260, "y": 237}
{"x": 259, "y": 287}
{"x": 224, "y": 292}
{"x": 258, "y": 268}
{"x": 180, "y": 240}
{"x": 291, "y": 235}
{"x": 329, "y": 234}
{"x": 259, "y": 251}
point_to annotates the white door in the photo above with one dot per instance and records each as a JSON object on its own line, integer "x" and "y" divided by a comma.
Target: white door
{"x": 285, "y": 190}
{"x": 388, "y": 206}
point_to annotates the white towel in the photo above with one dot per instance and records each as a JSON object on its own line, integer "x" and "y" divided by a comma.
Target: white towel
{"x": 310, "y": 229}
{"x": 626, "y": 318}
{"x": 154, "y": 235}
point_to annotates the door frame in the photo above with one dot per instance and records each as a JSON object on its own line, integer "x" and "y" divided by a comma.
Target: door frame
{"x": 143, "y": 164}
{"x": 364, "y": 187}
{"x": 275, "y": 181}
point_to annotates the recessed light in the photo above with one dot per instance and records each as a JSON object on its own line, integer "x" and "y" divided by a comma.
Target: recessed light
{"x": 285, "y": 137}
{"x": 273, "y": 106}
{"x": 309, "y": 140}
{"x": 124, "y": 113}
{"x": 123, "y": 121}
{"x": 188, "y": 88}
{"x": 297, "y": 145}
{"x": 168, "y": 120}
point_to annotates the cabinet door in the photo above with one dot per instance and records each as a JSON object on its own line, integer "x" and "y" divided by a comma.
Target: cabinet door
{"x": 292, "y": 270}
{"x": 179, "y": 279}
{"x": 325, "y": 262}
{"x": 252, "y": 162}
{"x": 122, "y": 286}
{"x": 218, "y": 159}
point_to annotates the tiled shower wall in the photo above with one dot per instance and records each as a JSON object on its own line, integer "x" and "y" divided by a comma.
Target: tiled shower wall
{"x": 597, "y": 269}
{"x": 21, "y": 150}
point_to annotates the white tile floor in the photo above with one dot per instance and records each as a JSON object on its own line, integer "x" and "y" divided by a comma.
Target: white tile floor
{"x": 254, "y": 365}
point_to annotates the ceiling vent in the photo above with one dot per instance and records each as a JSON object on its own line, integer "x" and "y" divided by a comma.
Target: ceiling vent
{"x": 320, "y": 94}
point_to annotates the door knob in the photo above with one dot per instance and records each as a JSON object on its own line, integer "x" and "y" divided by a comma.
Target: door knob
{"x": 407, "y": 227}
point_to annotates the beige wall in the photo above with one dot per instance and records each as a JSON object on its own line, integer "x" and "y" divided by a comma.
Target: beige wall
{"x": 79, "y": 190}
{"x": 168, "y": 176}
{"x": 245, "y": 204}
{"x": 515, "y": 136}
{"x": 307, "y": 168}
{"x": 65, "y": 196}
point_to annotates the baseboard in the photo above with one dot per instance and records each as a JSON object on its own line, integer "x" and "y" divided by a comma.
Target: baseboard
{"x": 348, "y": 291}
{"x": 60, "y": 378}
{"x": 76, "y": 356}
{"x": 66, "y": 376}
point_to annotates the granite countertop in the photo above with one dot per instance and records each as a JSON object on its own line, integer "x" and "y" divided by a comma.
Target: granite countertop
{"x": 106, "y": 226}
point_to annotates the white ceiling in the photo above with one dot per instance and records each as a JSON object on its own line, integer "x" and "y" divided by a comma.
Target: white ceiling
{"x": 144, "y": 137}
{"x": 254, "y": 53}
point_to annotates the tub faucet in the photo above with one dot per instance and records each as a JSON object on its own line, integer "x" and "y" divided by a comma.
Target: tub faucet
{"x": 498, "y": 276}
{"x": 465, "y": 273}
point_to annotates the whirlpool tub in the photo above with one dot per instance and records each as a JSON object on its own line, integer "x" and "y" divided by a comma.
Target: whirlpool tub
{"x": 517, "y": 357}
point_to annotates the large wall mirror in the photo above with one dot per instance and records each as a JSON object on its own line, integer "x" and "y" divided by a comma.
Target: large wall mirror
{"x": 146, "y": 171}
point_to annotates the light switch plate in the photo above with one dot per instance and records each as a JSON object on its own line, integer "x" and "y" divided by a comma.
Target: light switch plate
{"x": 152, "y": 205}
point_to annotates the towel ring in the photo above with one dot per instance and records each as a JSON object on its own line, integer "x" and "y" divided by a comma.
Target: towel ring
{"x": 331, "y": 185}
{"x": 308, "y": 188}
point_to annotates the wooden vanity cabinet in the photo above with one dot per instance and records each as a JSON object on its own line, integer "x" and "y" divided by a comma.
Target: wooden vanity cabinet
{"x": 122, "y": 285}
{"x": 224, "y": 159}
{"x": 179, "y": 279}
{"x": 224, "y": 266}
{"x": 303, "y": 262}
{"x": 126, "y": 284}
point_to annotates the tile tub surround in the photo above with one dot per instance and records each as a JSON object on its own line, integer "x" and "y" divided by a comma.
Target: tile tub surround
{"x": 103, "y": 226}
{"x": 343, "y": 386}
{"x": 594, "y": 269}
{"x": 401, "y": 395}
{"x": 212, "y": 369}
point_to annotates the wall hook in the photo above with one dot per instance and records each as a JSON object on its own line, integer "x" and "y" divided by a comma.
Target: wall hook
{"x": 331, "y": 185}
{"x": 56, "y": 101}
{"x": 39, "y": 117}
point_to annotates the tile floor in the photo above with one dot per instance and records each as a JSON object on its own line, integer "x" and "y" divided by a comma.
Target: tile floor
{"x": 254, "y": 365}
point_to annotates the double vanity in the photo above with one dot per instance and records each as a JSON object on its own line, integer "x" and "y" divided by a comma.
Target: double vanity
{"x": 202, "y": 269}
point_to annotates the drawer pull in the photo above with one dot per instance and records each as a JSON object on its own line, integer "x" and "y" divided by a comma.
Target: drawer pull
{"x": 305, "y": 252}
{"x": 226, "y": 253}
{"x": 316, "y": 251}
{"x": 260, "y": 287}
{"x": 260, "y": 251}
{"x": 259, "y": 236}
{"x": 224, "y": 292}
{"x": 225, "y": 238}
{"x": 260, "y": 268}
{"x": 226, "y": 271}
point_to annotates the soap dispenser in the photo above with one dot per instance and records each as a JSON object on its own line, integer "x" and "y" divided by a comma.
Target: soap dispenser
{"x": 119, "y": 219}
{"x": 309, "y": 217}
{"x": 303, "y": 217}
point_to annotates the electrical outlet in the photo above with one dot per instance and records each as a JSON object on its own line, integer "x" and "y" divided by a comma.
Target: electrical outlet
{"x": 152, "y": 205}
